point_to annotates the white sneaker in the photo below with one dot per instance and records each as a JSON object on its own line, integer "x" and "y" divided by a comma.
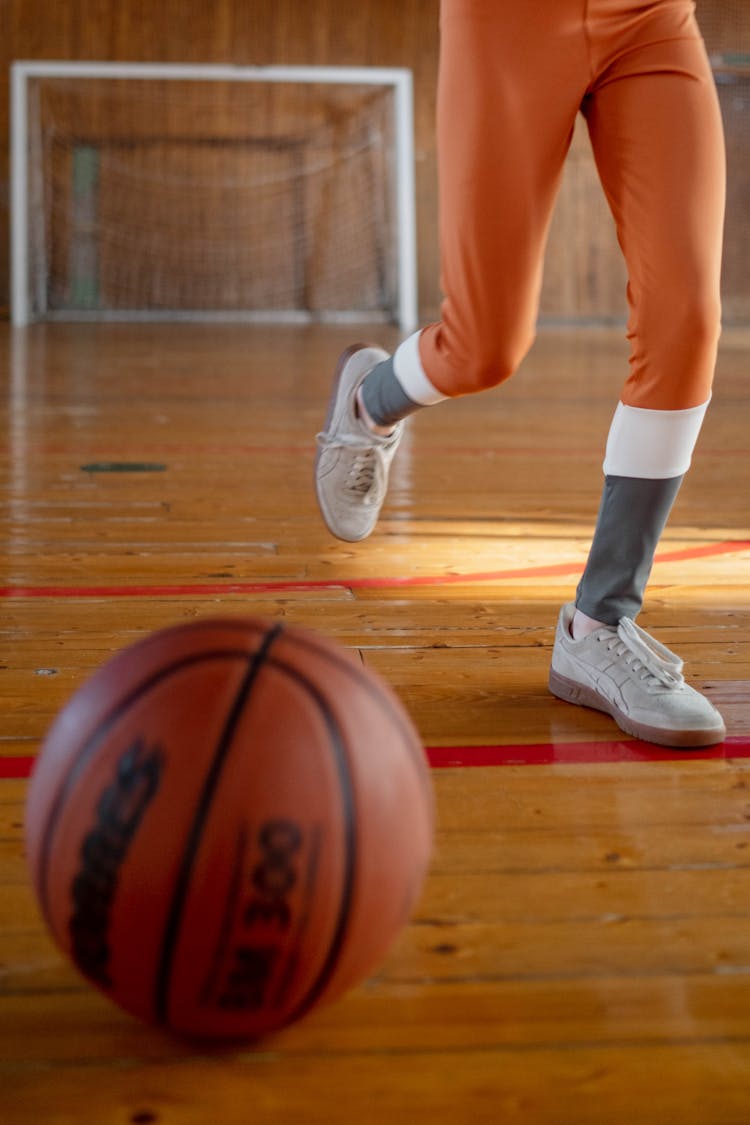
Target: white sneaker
{"x": 635, "y": 679}
{"x": 351, "y": 468}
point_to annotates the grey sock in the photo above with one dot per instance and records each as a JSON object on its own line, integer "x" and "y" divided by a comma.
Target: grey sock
{"x": 385, "y": 399}
{"x": 632, "y": 516}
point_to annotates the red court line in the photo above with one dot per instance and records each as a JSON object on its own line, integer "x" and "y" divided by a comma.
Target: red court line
{"x": 535, "y": 754}
{"x": 197, "y": 589}
{"x": 577, "y": 753}
{"x": 15, "y": 767}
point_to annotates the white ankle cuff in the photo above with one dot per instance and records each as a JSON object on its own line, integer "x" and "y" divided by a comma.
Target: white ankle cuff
{"x": 408, "y": 369}
{"x": 652, "y": 444}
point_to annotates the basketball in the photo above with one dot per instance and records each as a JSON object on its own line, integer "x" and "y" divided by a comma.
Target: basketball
{"x": 229, "y": 824}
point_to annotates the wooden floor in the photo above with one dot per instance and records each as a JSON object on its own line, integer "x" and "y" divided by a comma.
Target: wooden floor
{"x": 581, "y": 953}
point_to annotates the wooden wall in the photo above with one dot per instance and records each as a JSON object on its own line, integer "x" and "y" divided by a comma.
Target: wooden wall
{"x": 584, "y": 277}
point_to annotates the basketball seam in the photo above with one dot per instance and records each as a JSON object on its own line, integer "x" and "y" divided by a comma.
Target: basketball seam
{"x": 225, "y": 928}
{"x": 89, "y": 747}
{"x": 308, "y": 639}
{"x": 349, "y": 811}
{"x": 180, "y": 893}
{"x": 414, "y": 747}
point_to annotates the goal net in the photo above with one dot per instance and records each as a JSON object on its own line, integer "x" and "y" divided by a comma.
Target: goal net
{"x": 145, "y": 192}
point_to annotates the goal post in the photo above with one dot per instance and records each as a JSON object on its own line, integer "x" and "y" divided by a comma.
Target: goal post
{"x": 305, "y": 204}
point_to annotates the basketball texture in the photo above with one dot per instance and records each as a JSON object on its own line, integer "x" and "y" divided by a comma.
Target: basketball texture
{"x": 228, "y": 824}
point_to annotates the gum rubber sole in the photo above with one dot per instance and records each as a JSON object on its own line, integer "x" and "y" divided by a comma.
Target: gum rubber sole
{"x": 584, "y": 696}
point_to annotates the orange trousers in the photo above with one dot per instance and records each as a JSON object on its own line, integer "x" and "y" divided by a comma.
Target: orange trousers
{"x": 513, "y": 76}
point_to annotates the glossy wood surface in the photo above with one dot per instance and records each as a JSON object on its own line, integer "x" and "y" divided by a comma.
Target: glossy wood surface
{"x": 581, "y": 952}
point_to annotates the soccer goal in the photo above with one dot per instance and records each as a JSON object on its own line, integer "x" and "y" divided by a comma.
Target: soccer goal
{"x": 148, "y": 191}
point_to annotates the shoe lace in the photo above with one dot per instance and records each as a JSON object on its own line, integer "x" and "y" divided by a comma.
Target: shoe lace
{"x": 363, "y": 471}
{"x": 657, "y": 664}
{"x": 365, "y": 464}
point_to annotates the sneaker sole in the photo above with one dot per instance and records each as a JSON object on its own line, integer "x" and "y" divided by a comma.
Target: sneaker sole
{"x": 572, "y": 692}
{"x": 337, "y": 375}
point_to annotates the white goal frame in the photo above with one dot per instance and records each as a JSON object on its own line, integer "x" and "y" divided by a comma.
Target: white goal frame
{"x": 400, "y": 79}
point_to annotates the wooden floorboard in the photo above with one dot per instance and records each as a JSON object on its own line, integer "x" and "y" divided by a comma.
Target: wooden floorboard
{"x": 580, "y": 954}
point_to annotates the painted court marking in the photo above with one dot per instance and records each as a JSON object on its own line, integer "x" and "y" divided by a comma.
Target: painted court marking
{"x": 704, "y": 550}
{"x": 572, "y": 753}
{"x": 534, "y": 754}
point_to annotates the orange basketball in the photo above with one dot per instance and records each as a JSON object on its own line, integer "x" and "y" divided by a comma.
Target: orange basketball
{"x": 229, "y": 824}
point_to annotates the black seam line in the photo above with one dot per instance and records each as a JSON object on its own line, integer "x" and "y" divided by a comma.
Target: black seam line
{"x": 91, "y": 745}
{"x": 308, "y": 640}
{"x": 228, "y": 917}
{"x": 182, "y": 884}
{"x": 413, "y": 746}
{"x": 348, "y": 807}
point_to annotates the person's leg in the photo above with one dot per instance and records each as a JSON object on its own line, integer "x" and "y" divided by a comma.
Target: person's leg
{"x": 512, "y": 77}
{"x": 656, "y": 131}
{"x": 511, "y": 81}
